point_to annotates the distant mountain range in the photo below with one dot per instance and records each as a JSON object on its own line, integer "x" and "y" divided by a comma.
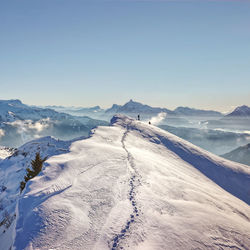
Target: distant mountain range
{"x": 181, "y": 116}
{"x": 186, "y": 111}
{"x": 20, "y": 123}
{"x": 134, "y": 108}
{"x": 240, "y": 154}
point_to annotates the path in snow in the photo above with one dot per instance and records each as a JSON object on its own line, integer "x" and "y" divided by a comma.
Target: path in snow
{"x": 134, "y": 182}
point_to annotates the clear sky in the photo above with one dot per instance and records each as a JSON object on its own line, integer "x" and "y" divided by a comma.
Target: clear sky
{"x": 163, "y": 53}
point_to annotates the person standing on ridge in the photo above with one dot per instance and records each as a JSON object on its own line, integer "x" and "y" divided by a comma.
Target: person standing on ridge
{"x": 138, "y": 117}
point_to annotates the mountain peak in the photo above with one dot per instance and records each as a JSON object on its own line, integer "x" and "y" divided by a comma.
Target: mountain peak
{"x": 243, "y": 111}
{"x": 242, "y": 108}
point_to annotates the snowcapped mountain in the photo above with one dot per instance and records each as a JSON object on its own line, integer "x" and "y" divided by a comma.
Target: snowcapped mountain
{"x": 186, "y": 111}
{"x": 11, "y": 110}
{"x": 20, "y": 123}
{"x": 129, "y": 186}
{"x": 240, "y": 154}
{"x": 242, "y": 111}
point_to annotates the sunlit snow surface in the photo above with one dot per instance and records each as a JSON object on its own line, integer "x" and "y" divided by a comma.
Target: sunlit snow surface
{"x": 5, "y": 152}
{"x": 135, "y": 186}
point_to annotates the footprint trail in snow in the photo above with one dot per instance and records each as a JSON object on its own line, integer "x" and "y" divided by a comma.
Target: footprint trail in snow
{"x": 134, "y": 181}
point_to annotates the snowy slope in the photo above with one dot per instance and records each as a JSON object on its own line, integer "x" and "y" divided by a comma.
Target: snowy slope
{"x": 135, "y": 186}
{"x": 12, "y": 171}
{"x": 5, "y": 152}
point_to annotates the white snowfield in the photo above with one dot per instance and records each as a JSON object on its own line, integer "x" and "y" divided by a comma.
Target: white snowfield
{"x": 12, "y": 171}
{"x": 135, "y": 186}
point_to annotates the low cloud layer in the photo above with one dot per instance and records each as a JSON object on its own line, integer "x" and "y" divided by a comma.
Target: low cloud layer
{"x": 29, "y": 130}
{"x": 24, "y": 126}
{"x": 158, "y": 119}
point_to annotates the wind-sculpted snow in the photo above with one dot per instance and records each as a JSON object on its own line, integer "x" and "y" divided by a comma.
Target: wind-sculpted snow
{"x": 135, "y": 186}
{"x": 12, "y": 171}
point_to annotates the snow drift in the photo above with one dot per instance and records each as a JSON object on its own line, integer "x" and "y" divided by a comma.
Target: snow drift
{"x": 135, "y": 186}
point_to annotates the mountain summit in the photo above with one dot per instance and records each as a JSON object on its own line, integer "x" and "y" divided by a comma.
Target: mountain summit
{"x": 242, "y": 111}
{"x": 134, "y": 186}
{"x": 133, "y": 108}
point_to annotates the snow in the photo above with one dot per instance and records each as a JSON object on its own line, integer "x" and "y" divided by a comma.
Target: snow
{"x": 12, "y": 171}
{"x": 5, "y": 152}
{"x": 134, "y": 186}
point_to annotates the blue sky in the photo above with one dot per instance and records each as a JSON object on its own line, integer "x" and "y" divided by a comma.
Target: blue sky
{"x": 163, "y": 53}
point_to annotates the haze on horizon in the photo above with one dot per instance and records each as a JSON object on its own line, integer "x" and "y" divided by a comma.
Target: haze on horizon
{"x": 161, "y": 53}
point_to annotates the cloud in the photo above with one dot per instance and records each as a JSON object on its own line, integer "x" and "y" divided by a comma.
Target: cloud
{"x": 233, "y": 131}
{"x": 159, "y": 118}
{"x": 26, "y": 125}
{"x": 2, "y": 133}
{"x": 28, "y": 129}
{"x": 40, "y": 125}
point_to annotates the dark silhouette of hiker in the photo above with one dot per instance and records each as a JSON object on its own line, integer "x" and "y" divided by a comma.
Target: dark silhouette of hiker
{"x": 149, "y": 122}
{"x": 138, "y": 117}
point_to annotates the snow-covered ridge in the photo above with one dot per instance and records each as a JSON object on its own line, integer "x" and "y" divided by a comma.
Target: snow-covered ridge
{"x": 210, "y": 165}
{"x": 135, "y": 186}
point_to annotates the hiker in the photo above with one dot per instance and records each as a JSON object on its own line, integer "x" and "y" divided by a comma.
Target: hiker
{"x": 138, "y": 117}
{"x": 149, "y": 122}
